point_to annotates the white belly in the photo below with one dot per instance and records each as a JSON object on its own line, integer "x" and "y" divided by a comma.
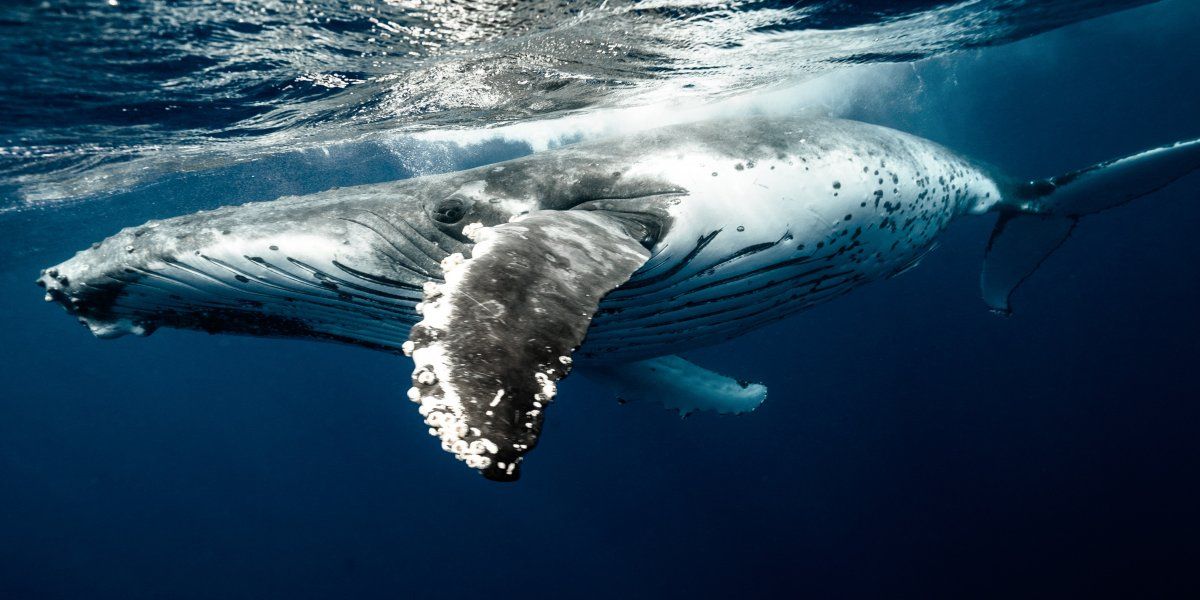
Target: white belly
{"x": 755, "y": 241}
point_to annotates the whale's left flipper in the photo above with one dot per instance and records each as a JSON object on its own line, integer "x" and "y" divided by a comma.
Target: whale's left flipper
{"x": 1036, "y": 217}
{"x": 500, "y": 332}
{"x": 679, "y": 385}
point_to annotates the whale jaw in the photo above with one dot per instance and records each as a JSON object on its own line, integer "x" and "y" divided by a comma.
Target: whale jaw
{"x": 268, "y": 269}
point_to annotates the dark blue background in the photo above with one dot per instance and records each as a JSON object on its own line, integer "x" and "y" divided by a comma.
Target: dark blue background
{"x": 912, "y": 445}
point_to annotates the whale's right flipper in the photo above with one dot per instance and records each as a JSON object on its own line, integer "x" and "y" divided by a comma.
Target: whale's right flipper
{"x": 1038, "y": 216}
{"x": 679, "y": 385}
{"x": 499, "y": 334}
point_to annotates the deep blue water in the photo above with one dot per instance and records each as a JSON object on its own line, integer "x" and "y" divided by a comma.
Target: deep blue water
{"x": 912, "y": 445}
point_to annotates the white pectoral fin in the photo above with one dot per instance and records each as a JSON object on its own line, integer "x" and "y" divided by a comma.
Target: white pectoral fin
{"x": 679, "y": 385}
{"x": 1115, "y": 182}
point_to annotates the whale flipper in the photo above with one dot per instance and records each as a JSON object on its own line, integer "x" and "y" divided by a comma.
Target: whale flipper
{"x": 679, "y": 385}
{"x": 1040, "y": 215}
{"x": 500, "y": 332}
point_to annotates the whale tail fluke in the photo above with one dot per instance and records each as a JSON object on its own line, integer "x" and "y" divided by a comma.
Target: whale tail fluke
{"x": 1038, "y": 216}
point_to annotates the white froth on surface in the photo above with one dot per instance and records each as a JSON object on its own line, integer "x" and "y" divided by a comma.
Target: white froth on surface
{"x": 833, "y": 94}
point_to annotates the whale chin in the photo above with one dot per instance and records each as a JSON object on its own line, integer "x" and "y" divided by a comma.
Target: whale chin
{"x": 271, "y": 269}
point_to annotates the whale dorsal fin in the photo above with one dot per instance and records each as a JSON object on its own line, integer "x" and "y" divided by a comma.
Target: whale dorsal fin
{"x": 500, "y": 332}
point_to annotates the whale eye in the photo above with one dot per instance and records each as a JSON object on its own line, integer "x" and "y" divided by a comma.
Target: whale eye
{"x": 449, "y": 211}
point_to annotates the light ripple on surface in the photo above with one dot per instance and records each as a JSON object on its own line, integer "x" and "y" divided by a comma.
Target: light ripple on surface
{"x": 102, "y": 96}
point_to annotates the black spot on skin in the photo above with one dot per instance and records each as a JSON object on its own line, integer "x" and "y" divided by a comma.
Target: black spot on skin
{"x": 837, "y": 185}
{"x": 275, "y": 248}
{"x": 820, "y": 245}
{"x": 739, "y": 167}
{"x": 847, "y": 217}
{"x": 241, "y": 278}
{"x": 714, "y": 173}
{"x": 740, "y": 228}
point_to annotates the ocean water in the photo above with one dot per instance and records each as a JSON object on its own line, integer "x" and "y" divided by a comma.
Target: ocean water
{"x": 912, "y": 445}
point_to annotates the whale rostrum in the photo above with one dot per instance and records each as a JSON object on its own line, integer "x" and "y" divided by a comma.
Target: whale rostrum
{"x": 608, "y": 257}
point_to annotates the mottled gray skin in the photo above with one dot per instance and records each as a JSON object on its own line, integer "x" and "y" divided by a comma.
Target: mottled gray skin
{"x": 348, "y": 264}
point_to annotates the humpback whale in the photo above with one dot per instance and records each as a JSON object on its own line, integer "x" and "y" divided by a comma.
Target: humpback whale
{"x": 608, "y": 257}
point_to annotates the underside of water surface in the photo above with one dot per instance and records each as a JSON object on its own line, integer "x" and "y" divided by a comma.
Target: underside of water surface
{"x": 106, "y": 96}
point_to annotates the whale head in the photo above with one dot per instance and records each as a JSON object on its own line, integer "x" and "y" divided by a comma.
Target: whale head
{"x": 347, "y": 265}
